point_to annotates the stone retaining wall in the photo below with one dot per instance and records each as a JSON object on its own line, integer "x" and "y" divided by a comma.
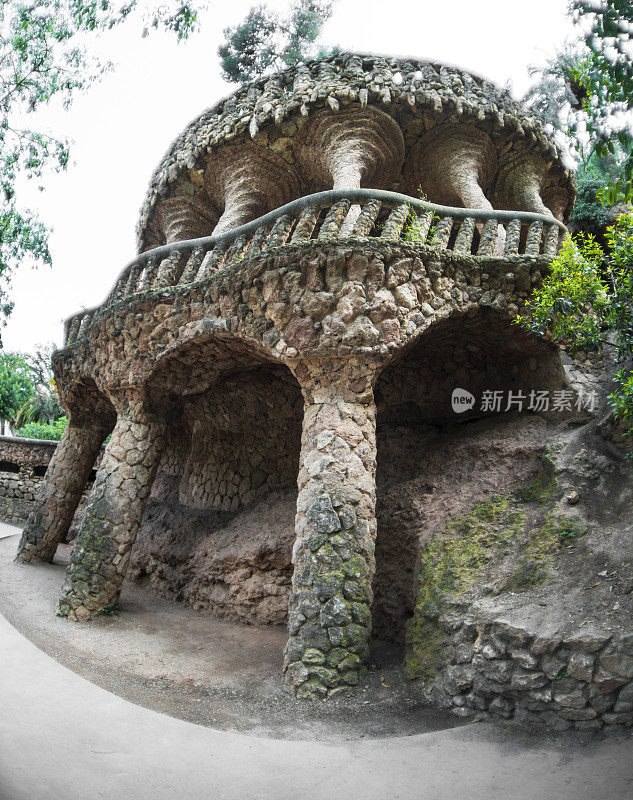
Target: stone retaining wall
{"x": 23, "y": 463}
{"x": 583, "y": 680}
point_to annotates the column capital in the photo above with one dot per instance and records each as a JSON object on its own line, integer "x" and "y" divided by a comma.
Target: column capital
{"x": 326, "y": 379}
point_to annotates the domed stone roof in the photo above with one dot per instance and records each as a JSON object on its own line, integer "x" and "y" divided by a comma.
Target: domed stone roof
{"x": 417, "y": 95}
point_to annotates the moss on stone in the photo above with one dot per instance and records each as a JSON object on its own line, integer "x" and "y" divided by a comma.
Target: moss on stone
{"x": 506, "y": 543}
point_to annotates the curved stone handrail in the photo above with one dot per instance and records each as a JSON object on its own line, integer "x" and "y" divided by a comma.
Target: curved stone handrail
{"x": 334, "y": 216}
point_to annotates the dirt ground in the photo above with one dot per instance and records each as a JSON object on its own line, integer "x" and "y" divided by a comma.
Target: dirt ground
{"x": 165, "y": 656}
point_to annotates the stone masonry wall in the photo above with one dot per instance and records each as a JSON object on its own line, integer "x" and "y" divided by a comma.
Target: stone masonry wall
{"x": 245, "y": 437}
{"x": 23, "y": 463}
{"x": 583, "y": 680}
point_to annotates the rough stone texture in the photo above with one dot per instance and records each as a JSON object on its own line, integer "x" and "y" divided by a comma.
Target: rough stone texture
{"x": 60, "y": 493}
{"x": 102, "y": 549}
{"x": 207, "y": 353}
{"x": 236, "y": 565}
{"x": 342, "y": 149}
{"x": 523, "y": 604}
{"x": 23, "y": 463}
{"x": 418, "y": 96}
{"x": 247, "y": 180}
{"x": 455, "y": 164}
{"x": 329, "y": 615}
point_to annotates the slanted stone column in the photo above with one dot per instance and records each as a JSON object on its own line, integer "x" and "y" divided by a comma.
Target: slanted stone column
{"x": 61, "y": 490}
{"x": 339, "y": 149}
{"x": 329, "y": 607}
{"x": 185, "y": 218}
{"x": 248, "y": 180}
{"x": 342, "y": 149}
{"x": 101, "y": 552}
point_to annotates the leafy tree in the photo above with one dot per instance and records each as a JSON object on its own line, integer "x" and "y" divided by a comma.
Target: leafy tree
{"x": 265, "y": 41}
{"x": 16, "y": 385}
{"x": 594, "y": 177}
{"x": 43, "y": 57}
{"x": 607, "y": 77}
{"x": 586, "y": 91}
{"x": 43, "y": 405}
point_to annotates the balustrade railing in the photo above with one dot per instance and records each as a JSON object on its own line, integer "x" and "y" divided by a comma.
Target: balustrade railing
{"x": 337, "y": 215}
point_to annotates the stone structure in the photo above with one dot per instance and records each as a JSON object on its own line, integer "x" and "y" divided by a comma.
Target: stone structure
{"x": 23, "y": 464}
{"x": 240, "y": 353}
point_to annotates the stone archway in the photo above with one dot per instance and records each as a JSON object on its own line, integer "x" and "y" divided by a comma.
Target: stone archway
{"x": 420, "y": 439}
{"x": 218, "y": 528}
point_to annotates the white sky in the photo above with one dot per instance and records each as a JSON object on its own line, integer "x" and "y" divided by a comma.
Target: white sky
{"x": 122, "y": 126}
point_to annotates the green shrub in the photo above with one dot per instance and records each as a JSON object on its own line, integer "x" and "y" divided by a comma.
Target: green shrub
{"x": 38, "y": 430}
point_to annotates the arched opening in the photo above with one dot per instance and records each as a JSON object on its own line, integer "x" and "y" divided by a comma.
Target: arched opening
{"x": 434, "y": 463}
{"x": 218, "y": 529}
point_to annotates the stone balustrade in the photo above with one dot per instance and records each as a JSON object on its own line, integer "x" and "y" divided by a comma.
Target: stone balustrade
{"x": 384, "y": 218}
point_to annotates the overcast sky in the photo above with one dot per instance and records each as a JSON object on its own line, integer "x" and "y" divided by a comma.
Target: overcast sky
{"x": 122, "y": 126}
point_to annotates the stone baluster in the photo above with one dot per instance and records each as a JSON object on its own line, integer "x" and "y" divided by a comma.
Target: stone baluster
{"x": 395, "y": 222}
{"x": 60, "y": 492}
{"x": 101, "y": 552}
{"x": 306, "y": 224}
{"x": 329, "y": 607}
{"x": 171, "y": 269}
{"x": 513, "y": 237}
{"x": 464, "y": 239}
{"x": 192, "y": 267}
{"x": 366, "y": 219}
{"x": 442, "y": 233}
{"x": 533, "y": 241}
{"x": 248, "y": 180}
{"x": 333, "y": 222}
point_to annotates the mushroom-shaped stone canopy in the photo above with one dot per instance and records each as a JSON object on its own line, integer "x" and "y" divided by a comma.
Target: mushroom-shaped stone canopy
{"x": 347, "y": 148}
{"x": 248, "y": 180}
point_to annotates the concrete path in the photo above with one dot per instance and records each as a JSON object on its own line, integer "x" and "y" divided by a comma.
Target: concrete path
{"x": 63, "y": 737}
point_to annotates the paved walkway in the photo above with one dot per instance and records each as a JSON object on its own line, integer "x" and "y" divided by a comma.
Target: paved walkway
{"x": 63, "y": 737}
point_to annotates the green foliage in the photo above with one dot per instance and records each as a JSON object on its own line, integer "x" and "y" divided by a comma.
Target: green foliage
{"x": 607, "y": 77}
{"x": 38, "y": 430}
{"x": 589, "y": 214}
{"x": 571, "y": 302}
{"x": 16, "y": 384}
{"x": 43, "y": 405}
{"x": 43, "y": 58}
{"x": 575, "y": 305}
{"x": 586, "y": 91}
{"x": 265, "y": 41}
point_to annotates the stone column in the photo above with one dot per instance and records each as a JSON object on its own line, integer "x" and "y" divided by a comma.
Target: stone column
{"x": 186, "y": 218}
{"x": 60, "y": 491}
{"x": 101, "y": 552}
{"x": 333, "y": 556}
{"x": 519, "y": 180}
{"x": 342, "y": 149}
{"x": 248, "y": 180}
{"x": 453, "y": 163}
